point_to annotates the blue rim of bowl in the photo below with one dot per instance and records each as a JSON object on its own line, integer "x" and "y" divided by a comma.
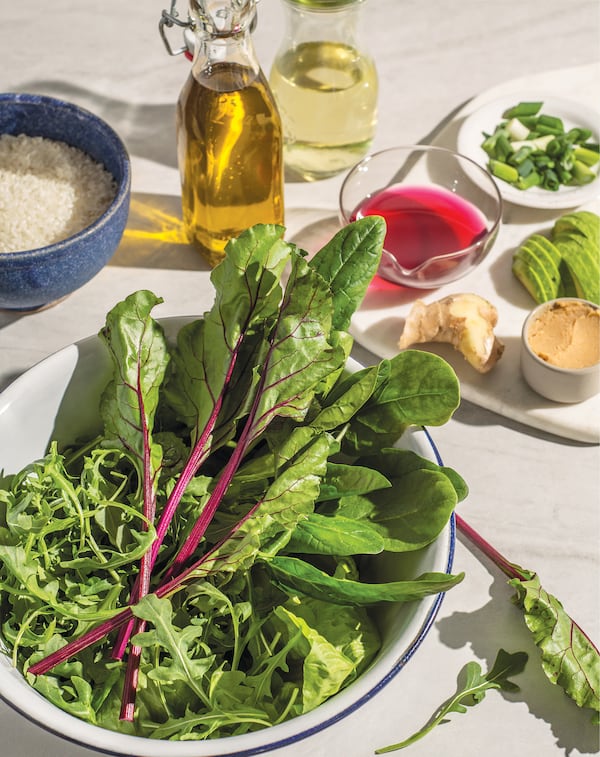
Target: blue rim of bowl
{"x": 124, "y": 185}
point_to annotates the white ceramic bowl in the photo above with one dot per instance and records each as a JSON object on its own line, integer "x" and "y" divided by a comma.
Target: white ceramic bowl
{"x": 57, "y": 399}
{"x": 567, "y": 385}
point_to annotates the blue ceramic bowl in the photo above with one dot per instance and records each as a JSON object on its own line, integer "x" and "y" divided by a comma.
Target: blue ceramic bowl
{"x": 33, "y": 279}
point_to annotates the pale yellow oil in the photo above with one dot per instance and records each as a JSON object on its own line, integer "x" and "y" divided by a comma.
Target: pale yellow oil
{"x": 327, "y": 97}
{"x": 229, "y": 142}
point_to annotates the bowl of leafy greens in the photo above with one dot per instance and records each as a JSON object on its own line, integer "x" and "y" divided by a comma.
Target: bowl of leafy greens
{"x": 211, "y": 540}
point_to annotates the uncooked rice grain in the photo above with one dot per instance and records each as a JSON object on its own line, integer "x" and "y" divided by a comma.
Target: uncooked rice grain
{"x": 49, "y": 191}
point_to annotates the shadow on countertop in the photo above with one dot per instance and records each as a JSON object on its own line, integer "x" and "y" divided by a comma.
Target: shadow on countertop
{"x": 500, "y": 624}
{"x": 148, "y": 130}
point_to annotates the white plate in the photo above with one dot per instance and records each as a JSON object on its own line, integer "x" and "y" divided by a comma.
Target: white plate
{"x": 488, "y": 116}
{"x": 58, "y": 399}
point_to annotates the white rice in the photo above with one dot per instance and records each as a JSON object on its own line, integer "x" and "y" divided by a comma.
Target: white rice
{"x": 48, "y": 191}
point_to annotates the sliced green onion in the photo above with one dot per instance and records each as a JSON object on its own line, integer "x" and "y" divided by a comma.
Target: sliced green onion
{"x": 578, "y": 135}
{"x": 520, "y": 156}
{"x": 526, "y": 167}
{"x": 523, "y": 109}
{"x": 533, "y": 180}
{"x": 563, "y": 174}
{"x": 531, "y": 148}
{"x": 550, "y": 180}
{"x": 587, "y": 156}
{"x": 528, "y": 121}
{"x": 582, "y": 173}
{"x": 504, "y": 171}
{"x": 551, "y": 122}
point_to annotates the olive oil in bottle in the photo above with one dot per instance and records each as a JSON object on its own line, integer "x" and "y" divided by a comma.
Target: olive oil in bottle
{"x": 229, "y": 135}
{"x": 326, "y": 88}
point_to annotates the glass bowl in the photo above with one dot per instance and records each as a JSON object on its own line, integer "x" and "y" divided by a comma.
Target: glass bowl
{"x": 442, "y": 210}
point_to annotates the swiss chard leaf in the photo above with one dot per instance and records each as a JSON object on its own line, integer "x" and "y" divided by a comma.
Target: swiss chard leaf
{"x": 348, "y": 262}
{"x": 301, "y": 353}
{"x": 139, "y": 352}
{"x": 472, "y": 688}
{"x": 569, "y": 659}
{"x": 220, "y": 350}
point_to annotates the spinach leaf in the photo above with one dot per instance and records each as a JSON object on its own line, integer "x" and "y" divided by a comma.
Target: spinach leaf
{"x": 295, "y": 575}
{"x": 413, "y": 511}
{"x": 413, "y": 388}
{"x": 335, "y": 535}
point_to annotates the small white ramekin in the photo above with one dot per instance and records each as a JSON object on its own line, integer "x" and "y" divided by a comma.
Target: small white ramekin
{"x": 566, "y": 385}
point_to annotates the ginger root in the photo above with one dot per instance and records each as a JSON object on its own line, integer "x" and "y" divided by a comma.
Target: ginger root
{"x": 466, "y": 321}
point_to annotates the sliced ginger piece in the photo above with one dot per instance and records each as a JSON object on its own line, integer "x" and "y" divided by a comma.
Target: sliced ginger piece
{"x": 466, "y": 321}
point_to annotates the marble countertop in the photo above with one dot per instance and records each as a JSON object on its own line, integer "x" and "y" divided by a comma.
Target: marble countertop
{"x": 532, "y": 494}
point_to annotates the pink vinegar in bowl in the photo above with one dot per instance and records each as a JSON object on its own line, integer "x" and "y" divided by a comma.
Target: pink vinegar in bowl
{"x": 438, "y": 228}
{"x": 424, "y": 220}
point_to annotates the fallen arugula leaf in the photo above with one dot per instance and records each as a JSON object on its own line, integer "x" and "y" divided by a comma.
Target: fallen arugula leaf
{"x": 472, "y": 688}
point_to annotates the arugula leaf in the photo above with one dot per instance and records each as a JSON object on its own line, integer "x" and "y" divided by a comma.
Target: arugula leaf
{"x": 472, "y": 688}
{"x": 175, "y": 642}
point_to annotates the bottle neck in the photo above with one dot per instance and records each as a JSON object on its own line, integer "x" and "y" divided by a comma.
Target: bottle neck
{"x": 311, "y": 23}
{"x": 223, "y": 36}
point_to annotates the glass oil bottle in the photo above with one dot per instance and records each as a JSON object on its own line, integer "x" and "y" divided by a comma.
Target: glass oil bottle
{"x": 326, "y": 87}
{"x": 229, "y": 134}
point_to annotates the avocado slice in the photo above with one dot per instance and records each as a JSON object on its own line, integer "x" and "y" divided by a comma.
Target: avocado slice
{"x": 537, "y": 264}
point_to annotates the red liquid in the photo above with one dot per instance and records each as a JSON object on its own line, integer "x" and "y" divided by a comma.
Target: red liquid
{"x": 423, "y": 222}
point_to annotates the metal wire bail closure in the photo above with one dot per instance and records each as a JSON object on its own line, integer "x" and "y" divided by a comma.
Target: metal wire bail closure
{"x": 169, "y": 19}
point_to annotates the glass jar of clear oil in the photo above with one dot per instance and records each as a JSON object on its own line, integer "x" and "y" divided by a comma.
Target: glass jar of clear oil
{"x": 326, "y": 88}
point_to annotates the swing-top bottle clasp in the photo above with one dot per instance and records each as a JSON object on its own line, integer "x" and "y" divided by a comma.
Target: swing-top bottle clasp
{"x": 171, "y": 18}
{"x": 198, "y": 22}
